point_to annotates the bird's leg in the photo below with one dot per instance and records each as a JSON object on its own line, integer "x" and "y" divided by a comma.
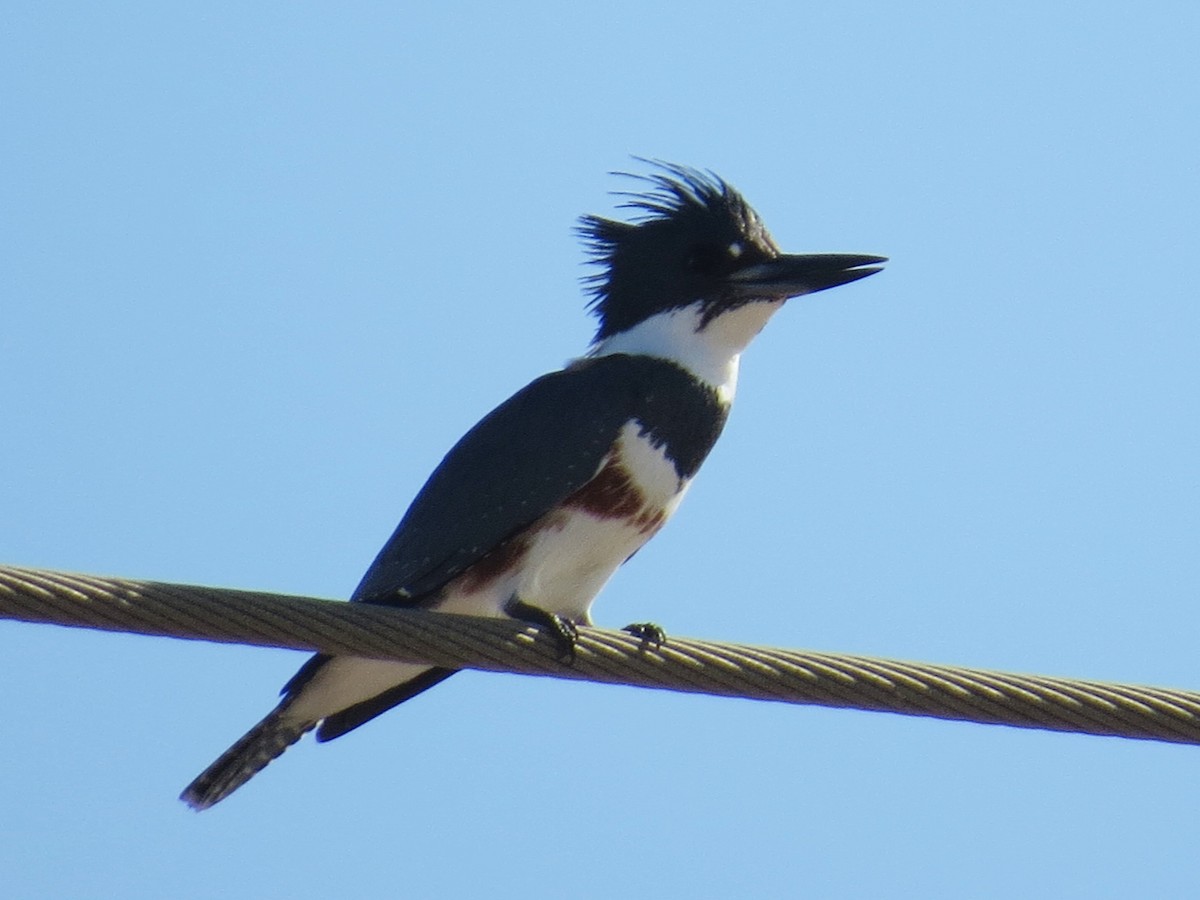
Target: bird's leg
{"x": 648, "y": 632}
{"x": 561, "y": 629}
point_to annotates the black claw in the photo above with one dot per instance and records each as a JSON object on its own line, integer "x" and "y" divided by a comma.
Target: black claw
{"x": 565, "y": 635}
{"x": 561, "y": 629}
{"x": 648, "y": 632}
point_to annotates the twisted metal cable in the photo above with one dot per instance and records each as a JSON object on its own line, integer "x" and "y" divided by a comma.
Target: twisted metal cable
{"x": 505, "y": 645}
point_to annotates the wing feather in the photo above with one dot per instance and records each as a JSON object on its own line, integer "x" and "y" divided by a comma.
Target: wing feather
{"x": 514, "y": 466}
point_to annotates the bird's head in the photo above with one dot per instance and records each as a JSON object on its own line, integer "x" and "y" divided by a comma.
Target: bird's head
{"x": 693, "y": 239}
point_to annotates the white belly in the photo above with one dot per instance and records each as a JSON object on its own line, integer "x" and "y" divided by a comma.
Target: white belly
{"x": 559, "y": 565}
{"x": 567, "y": 558}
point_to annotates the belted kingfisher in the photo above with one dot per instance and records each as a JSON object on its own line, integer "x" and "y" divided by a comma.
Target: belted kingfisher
{"x": 535, "y": 508}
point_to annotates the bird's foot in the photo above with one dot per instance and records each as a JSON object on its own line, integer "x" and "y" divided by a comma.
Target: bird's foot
{"x": 648, "y": 632}
{"x": 562, "y": 629}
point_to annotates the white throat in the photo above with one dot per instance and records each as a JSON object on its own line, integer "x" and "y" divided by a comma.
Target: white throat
{"x": 710, "y": 352}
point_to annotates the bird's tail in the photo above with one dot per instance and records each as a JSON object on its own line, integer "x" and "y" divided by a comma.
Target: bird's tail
{"x": 241, "y": 762}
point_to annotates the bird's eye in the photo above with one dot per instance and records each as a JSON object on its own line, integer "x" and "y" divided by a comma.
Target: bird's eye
{"x": 714, "y": 259}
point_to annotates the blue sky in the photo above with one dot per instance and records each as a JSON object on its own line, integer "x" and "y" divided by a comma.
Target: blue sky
{"x": 262, "y": 265}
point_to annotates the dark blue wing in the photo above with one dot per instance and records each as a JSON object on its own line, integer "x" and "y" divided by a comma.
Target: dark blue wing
{"x": 521, "y": 461}
{"x": 518, "y": 463}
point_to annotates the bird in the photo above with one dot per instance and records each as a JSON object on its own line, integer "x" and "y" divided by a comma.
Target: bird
{"x": 535, "y": 508}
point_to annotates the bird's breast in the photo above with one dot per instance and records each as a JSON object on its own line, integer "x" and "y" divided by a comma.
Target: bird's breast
{"x": 636, "y": 483}
{"x": 564, "y": 559}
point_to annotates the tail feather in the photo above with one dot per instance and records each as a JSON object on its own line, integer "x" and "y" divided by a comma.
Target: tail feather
{"x": 241, "y": 762}
{"x": 337, "y": 724}
{"x": 337, "y": 693}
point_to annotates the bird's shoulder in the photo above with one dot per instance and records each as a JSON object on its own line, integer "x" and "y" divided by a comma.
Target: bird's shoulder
{"x": 515, "y": 465}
